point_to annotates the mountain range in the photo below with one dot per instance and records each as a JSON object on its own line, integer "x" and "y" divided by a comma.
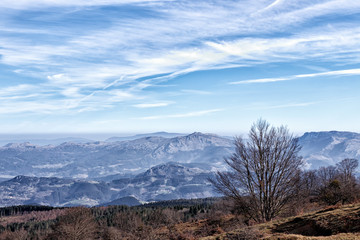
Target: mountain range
{"x": 328, "y": 148}
{"x": 163, "y": 182}
{"x": 149, "y": 168}
{"x": 100, "y": 159}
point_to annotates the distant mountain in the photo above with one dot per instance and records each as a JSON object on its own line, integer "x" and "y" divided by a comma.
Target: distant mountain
{"x": 156, "y": 134}
{"x": 97, "y": 160}
{"x": 328, "y": 148}
{"x": 43, "y": 142}
{"x": 152, "y": 168}
{"x": 106, "y": 161}
{"x": 52, "y": 191}
{"x": 163, "y": 182}
{"x": 128, "y": 201}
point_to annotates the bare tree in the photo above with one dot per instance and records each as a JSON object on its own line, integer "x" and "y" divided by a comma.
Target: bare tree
{"x": 349, "y": 188}
{"x": 347, "y": 168}
{"x": 77, "y": 224}
{"x": 337, "y": 184}
{"x": 326, "y": 174}
{"x": 263, "y": 171}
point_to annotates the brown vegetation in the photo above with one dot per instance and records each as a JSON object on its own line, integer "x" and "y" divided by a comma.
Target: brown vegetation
{"x": 335, "y": 222}
{"x": 215, "y": 221}
{"x": 76, "y": 224}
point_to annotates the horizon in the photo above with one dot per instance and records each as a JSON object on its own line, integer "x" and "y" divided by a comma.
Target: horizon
{"x": 128, "y": 67}
{"x": 23, "y": 138}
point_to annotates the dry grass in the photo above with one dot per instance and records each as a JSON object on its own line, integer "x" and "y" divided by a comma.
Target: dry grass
{"x": 199, "y": 228}
{"x": 336, "y": 222}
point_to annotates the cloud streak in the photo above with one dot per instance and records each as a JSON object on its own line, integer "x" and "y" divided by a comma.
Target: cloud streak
{"x": 152, "y": 105}
{"x": 346, "y": 72}
{"x": 26, "y": 4}
{"x": 182, "y": 115}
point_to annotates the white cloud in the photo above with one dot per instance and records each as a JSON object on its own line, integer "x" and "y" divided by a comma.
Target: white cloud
{"x": 266, "y": 106}
{"x": 26, "y": 4}
{"x": 195, "y": 91}
{"x": 355, "y": 71}
{"x": 183, "y": 115}
{"x": 152, "y": 105}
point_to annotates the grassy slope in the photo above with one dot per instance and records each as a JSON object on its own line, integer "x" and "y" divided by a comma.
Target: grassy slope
{"x": 341, "y": 222}
{"x": 331, "y": 223}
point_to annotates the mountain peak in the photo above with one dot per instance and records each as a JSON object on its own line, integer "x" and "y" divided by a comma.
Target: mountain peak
{"x": 200, "y": 134}
{"x": 20, "y": 145}
{"x": 23, "y": 179}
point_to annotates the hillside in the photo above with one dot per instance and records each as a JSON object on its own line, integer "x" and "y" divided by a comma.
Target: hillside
{"x": 330, "y": 223}
{"x": 206, "y": 219}
{"x": 328, "y": 148}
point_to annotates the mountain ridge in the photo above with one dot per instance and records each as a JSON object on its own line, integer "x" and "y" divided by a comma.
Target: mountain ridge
{"x": 162, "y": 182}
{"x": 99, "y": 159}
{"x": 151, "y": 168}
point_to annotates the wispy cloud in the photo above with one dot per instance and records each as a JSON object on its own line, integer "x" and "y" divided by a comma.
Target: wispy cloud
{"x": 25, "y": 4}
{"x": 152, "y": 105}
{"x": 195, "y": 91}
{"x": 355, "y": 71}
{"x": 183, "y": 115}
{"x": 266, "y": 106}
{"x": 83, "y": 67}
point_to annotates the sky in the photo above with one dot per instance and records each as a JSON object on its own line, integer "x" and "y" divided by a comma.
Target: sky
{"x": 216, "y": 66}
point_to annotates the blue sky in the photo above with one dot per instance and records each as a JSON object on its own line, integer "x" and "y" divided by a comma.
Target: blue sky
{"x": 131, "y": 66}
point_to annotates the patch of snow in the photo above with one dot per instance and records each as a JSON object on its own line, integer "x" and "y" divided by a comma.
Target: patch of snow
{"x": 116, "y": 165}
{"x": 84, "y": 201}
{"x": 6, "y": 176}
{"x": 132, "y": 169}
{"x": 81, "y": 175}
{"x": 336, "y": 140}
{"x": 51, "y": 166}
{"x": 93, "y": 182}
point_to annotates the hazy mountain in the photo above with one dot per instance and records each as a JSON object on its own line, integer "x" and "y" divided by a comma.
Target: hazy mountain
{"x": 52, "y": 191}
{"x": 156, "y": 134}
{"x": 44, "y": 141}
{"x": 101, "y": 159}
{"x": 163, "y": 182}
{"x": 328, "y": 148}
{"x": 143, "y": 168}
{"x": 107, "y": 161}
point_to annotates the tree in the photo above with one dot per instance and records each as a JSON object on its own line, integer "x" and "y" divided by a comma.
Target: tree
{"x": 263, "y": 171}
{"x": 335, "y": 185}
{"x": 325, "y": 175}
{"x": 349, "y": 188}
{"x": 347, "y": 168}
{"x": 77, "y": 224}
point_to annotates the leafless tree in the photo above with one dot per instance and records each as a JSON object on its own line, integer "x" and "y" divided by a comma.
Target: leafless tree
{"x": 347, "y": 168}
{"x": 347, "y": 178}
{"x": 263, "y": 171}
{"x": 327, "y": 174}
{"x": 337, "y": 184}
{"x": 77, "y": 224}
